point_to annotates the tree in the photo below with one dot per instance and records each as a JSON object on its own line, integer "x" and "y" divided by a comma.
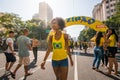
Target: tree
{"x": 37, "y": 29}
{"x": 11, "y": 21}
{"x": 86, "y": 34}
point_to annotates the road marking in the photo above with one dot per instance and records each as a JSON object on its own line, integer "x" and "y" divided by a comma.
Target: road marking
{"x": 75, "y": 69}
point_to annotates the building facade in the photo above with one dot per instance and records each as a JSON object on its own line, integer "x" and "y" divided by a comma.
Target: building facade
{"x": 36, "y": 16}
{"x": 45, "y": 12}
{"x": 104, "y": 10}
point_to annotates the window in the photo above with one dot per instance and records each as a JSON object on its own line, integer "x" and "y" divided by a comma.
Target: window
{"x": 108, "y": 17}
{"x": 111, "y": 5}
{"x": 107, "y": 1}
{"x": 108, "y": 12}
{"x": 112, "y": 10}
{"x": 107, "y": 7}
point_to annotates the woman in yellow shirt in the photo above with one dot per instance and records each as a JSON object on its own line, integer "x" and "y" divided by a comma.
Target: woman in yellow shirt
{"x": 59, "y": 44}
{"x": 112, "y": 40}
{"x": 99, "y": 40}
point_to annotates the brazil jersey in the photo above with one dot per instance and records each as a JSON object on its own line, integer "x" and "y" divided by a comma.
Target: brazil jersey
{"x": 59, "y": 51}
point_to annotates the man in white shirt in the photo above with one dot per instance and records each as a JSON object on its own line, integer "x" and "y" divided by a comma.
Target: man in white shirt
{"x": 9, "y": 53}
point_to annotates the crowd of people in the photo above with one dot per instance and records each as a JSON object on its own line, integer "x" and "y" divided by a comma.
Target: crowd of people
{"x": 24, "y": 44}
{"x": 105, "y": 49}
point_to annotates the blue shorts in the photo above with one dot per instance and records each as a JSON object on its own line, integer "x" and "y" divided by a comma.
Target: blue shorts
{"x": 60, "y": 63}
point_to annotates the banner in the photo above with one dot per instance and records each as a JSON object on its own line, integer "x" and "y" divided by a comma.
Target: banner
{"x": 87, "y": 21}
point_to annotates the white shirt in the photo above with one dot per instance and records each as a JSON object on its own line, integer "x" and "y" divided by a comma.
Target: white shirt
{"x": 9, "y": 40}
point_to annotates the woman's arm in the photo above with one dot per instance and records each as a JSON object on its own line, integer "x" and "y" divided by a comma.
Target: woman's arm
{"x": 67, "y": 48}
{"x": 47, "y": 52}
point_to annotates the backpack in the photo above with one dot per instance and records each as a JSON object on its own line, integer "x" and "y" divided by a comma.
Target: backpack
{"x": 4, "y": 46}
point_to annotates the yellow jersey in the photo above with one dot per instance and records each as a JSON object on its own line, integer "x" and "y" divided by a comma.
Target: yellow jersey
{"x": 52, "y": 32}
{"x": 101, "y": 41}
{"x": 112, "y": 39}
{"x": 59, "y": 51}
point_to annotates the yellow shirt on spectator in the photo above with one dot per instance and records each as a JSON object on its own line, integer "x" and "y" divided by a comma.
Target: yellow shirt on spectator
{"x": 112, "y": 39}
{"x": 101, "y": 41}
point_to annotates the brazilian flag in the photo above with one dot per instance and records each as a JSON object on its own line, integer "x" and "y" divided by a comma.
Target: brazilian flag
{"x": 57, "y": 45}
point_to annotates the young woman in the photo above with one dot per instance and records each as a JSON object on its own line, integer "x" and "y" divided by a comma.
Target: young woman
{"x": 99, "y": 40}
{"x": 105, "y": 55}
{"x": 112, "y": 40}
{"x": 59, "y": 44}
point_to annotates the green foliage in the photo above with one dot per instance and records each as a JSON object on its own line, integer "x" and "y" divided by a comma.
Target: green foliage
{"x": 10, "y": 21}
{"x": 37, "y": 29}
{"x": 13, "y": 22}
{"x": 86, "y": 34}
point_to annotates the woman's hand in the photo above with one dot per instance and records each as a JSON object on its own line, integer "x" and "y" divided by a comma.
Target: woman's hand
{"x": 43, "y": 65}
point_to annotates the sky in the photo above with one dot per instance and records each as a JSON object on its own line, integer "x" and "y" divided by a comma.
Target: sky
{"x": 61, "y": 8}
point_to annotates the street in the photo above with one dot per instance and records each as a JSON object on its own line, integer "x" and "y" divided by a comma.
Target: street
{"x": 82, "y": 69}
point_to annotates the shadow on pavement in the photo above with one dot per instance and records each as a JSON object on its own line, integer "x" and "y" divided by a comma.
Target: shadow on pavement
{"x": 111, "y": 76}
{"x": 83, "y": 54}
{"x": 32, "y": 65}
{"x": 4, "y": 77}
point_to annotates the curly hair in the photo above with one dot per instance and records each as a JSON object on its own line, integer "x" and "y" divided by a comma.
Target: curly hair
{"x": 60, "y": 22}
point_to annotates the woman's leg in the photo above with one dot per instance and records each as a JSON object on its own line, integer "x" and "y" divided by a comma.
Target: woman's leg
{"x": 106, "y": 60}
{"x": 34, "y": 52}
{"x": 98, "y": 59}
{"x": 95, "y": 59}
{"x": 103, "y": 59}
{"x": 63, "y": 73}
{"x": 102, "y": 56}
{"x": 57, "y": 72}
{"x": 116, "y": 66}
{"x": 110, "y": 60}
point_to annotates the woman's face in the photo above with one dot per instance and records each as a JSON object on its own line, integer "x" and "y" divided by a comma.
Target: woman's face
{"x": 55, "y": 25}
{"x": 110, "y": 31}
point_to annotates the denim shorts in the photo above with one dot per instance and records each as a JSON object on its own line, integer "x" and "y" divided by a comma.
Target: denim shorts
{"x": 10, "y": 57}
{"x": 60, "y": 63}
